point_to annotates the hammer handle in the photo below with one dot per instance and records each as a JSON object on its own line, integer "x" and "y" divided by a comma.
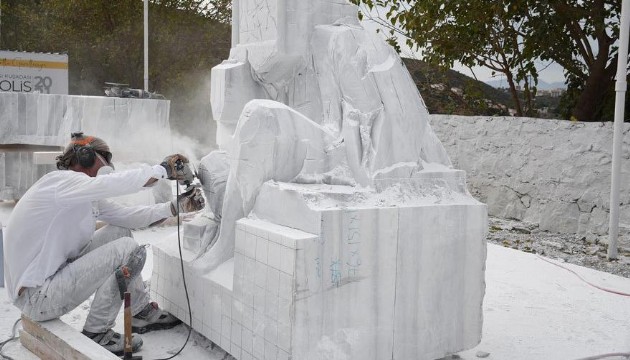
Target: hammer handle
{"x": 127, "y": 314}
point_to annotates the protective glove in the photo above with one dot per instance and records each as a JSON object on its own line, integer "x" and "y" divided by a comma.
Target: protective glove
{"x": 189, "y": 201}
{"x": 177, "y": 168}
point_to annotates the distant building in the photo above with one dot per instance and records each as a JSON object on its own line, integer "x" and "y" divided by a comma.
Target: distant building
{"x": 457, "y": 91}
{"x": 551, "y": 93}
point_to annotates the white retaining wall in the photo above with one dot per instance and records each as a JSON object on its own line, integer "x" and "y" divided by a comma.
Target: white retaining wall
{"x": 554, "y": 173}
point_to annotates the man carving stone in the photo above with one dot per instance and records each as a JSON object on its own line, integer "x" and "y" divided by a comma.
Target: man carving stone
{"x": 54, "y": 258}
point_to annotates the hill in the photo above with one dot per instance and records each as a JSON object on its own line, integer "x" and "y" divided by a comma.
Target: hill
{"x": 450, "y": 92}
{"x": 542, "y": 85}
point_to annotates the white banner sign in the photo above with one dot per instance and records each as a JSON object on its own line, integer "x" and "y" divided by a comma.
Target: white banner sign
{"x": 33, "y": 72}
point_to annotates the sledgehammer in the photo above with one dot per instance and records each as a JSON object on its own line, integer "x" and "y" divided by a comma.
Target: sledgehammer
{"x": 128, "y": 351}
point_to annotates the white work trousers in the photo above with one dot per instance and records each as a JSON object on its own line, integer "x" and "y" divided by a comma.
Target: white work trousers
{"x": 93, "y": 271}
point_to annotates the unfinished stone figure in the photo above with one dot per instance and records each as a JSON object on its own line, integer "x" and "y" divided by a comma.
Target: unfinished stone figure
{"x": 349, "y": 102}
{"x": 344, "y": 232}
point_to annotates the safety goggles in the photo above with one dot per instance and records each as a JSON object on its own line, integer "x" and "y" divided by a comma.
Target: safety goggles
{"x": 106, "y": 155}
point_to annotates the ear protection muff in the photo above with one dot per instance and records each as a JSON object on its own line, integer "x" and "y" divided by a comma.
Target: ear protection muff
{"x": 82, "y": 151}
{"x": 86, "y": 156}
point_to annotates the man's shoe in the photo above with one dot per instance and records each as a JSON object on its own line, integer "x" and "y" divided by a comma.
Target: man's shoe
{"x": 153, "y": 318}
{"x": 114, "y": 341}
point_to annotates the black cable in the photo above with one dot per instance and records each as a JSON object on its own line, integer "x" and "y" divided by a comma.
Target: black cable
{"x": 181, "y": 260}
{"x": 13, "y": 337}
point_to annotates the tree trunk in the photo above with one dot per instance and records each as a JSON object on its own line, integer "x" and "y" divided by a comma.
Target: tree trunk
{"x": 597, "y": 85}
{"x": 596, "y": 88}
{"x": 529, "y": 101}
{"x": 514, "y": 93}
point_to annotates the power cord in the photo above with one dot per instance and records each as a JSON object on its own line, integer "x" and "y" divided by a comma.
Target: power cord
{"x": 13, "y": 337}
{"x": 181, "y": 261}
{"x": 616, "y": 292}
{"x": 603, "y": 356}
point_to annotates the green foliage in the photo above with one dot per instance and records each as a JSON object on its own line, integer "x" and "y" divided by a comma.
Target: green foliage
{"x": 508, "y": 36}
{"x": 220, "y": 10}
{"x": 579, "y": 35}
{"x": 104, "y": 42}
{"x": 606, "y": 111}
{"x": 568, "y": 99}
{"x": 473, "y": 33}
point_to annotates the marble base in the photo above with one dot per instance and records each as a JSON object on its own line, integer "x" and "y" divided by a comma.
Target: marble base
{"x": 400, "y": 282}
{"x": 18, "y": 172}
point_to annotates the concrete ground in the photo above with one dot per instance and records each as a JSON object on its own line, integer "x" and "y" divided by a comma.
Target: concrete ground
{"x": 532, "y": 310}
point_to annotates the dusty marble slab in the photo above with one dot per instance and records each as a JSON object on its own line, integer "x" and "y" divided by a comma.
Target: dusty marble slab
{"x": 135, "y": 129}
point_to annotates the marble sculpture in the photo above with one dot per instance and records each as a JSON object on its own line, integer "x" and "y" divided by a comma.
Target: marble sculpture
{"x": 336, "y": 226}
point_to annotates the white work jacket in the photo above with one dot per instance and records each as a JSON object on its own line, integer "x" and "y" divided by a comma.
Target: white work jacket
{"x": 56, "y": 218}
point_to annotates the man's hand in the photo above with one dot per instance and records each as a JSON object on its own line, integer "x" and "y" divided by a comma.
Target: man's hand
{"x": 177, "y": 168}
{"x": 188, "y": 202}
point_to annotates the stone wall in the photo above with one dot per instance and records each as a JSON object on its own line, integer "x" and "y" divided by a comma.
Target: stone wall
{"x": 554, "y": 173}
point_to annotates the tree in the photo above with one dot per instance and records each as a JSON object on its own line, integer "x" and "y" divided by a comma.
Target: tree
{"x": 104, "y": 42}
{"x": 580, "y": 35}
{"x": 475, "y": 33}
{"x": 218, "y": 10}
{"x": 508, "y": 37}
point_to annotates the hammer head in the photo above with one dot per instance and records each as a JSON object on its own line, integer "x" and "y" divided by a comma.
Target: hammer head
{"x": 129, "y": 356}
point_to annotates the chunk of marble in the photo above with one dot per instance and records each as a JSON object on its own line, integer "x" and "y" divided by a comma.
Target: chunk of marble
{"x": 232, "y": 87}
{"x": 272, "y": 141}
{"x": 18, "y": 173}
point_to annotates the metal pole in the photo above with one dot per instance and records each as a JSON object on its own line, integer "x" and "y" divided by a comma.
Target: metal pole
{"x": 235, "y": 22}
{"x": 146, "y": 45}
{"x": 1, "y": 259}
{"x": 620, "y": 101}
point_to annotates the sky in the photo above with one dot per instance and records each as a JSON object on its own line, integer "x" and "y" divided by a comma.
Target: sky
{"x": 548, "y": 72}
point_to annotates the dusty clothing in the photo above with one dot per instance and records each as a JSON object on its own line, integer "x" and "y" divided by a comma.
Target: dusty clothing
{"x": 55, "y": 221}
{"x": 92, "y": 271}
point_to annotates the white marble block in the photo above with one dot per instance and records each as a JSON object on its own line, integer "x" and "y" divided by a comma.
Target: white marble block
{"x": 390, "y": 281}
{"x": 372, "y": 279}
{"x": 18, "y": 172}
{"x": 135, "y": 129}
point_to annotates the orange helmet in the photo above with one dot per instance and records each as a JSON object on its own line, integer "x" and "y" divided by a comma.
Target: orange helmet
{"x": 82, "y": 150}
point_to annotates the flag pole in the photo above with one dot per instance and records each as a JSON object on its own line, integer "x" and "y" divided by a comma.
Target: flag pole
{"x": 620, "y": 101}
